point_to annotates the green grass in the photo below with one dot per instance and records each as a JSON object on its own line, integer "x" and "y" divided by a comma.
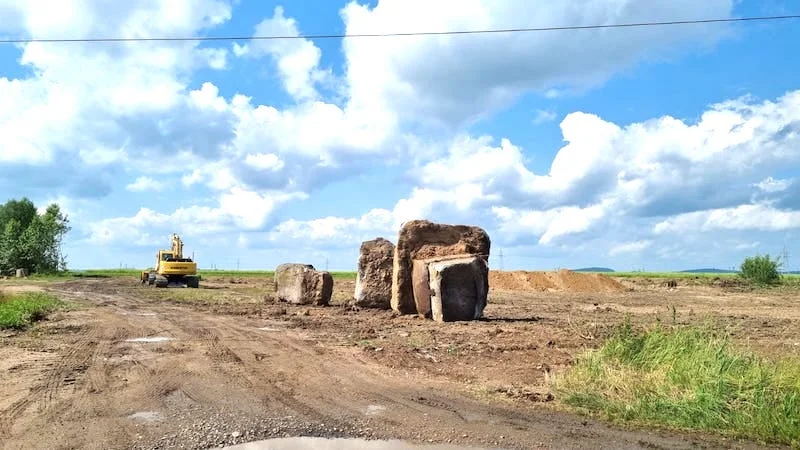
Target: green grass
{"x": 203, "y": 273}
{"x": 689, "y": 378}
{"x": 19, "y": 311}
{"x": 669, "y": 275}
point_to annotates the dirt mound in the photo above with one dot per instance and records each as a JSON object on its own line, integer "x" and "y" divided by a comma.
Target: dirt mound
{"x": 563, "y": 281}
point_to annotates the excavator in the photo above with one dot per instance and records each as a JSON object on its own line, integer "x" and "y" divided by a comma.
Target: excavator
{"x": 172, "y": 269}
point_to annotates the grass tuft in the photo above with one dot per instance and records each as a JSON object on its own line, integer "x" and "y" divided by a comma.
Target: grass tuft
{"x": 687, "y": 378}
{"x": 19, "y": 311}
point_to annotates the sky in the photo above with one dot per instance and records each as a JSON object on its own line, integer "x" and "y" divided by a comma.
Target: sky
{"x": 657, "y": 148}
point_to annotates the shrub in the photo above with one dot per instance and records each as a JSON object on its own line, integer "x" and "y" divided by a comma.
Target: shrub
{"x": 761, "y": 269}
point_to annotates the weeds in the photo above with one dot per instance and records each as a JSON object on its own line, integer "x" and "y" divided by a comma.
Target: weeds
{"x": 19, "y": 311}
{"x": 687, "y": 378}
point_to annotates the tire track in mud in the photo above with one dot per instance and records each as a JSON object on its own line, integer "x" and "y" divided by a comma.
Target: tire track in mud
{"x": 65, "y": 372}
{"x": 232, "y": 361}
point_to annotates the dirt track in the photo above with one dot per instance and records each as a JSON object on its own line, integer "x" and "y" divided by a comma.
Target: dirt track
{"x": 240, "y": 368}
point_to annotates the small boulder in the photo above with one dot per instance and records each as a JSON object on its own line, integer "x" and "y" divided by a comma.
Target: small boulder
{"x": 302, "y": 284}
{"x": 374, "y": 276}
{"x": 459, "y": 288}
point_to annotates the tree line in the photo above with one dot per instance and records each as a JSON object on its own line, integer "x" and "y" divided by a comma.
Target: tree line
{"x": 32, "y": 240}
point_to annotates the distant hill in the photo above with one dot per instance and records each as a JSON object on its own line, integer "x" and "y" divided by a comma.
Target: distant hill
{"x": 708, "y": 271}
{"x": 593, "y": 269}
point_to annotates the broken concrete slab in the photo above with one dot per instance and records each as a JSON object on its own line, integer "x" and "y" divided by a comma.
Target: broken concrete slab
{"x": 374, "y": 276}
{"x": 322, "y": 289}
{"x": 420, "y": 279}
{"x": 423, "y": 239}
{"x": 421, "y": 289}
{"x": 459, "y": 288}
{"x": 302, "y": 284}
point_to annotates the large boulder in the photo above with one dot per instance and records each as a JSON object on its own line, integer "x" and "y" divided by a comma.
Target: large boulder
{"x": 374, "y": 276}
{"x": 459, "y": 288}
{"x": 422, "y": 240}
{"x": 302, "y": 284}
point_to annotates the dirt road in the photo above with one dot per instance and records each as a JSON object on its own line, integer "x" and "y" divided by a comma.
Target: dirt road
{"x": 125, "y": 368}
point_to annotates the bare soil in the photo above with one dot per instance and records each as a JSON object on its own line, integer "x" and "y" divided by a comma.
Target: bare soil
{"x": 130, "y": 366}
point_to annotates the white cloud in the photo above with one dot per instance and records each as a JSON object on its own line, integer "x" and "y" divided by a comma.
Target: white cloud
{"x": 743, "y": 217}
{"x": 144, "y": 183}
{"x": 771, "y": 185}
{"x": 543, "y": 116}
{"x": 484, "y": 73}
{"x": 98, "y": 114}
{"x": 237, "y": 210}
{"x": 297, "y": 59}
{"x": 611, "y": 178}
{"x": 630, "y": 247}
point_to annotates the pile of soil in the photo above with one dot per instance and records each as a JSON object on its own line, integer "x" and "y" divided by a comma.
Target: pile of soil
{"x": 561, "y": 281}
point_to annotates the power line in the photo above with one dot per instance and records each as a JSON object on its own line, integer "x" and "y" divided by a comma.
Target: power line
{"x": 420, "y": 33}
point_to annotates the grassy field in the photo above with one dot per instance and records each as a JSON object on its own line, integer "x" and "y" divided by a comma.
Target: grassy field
{"x": 352, "y": 275}
{"x": 134, "y": 273}
{"x": 18, "y": 311}
{"x": 687, "y": 378}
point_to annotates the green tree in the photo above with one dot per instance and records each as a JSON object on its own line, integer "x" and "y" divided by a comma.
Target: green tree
{"x": 31, "y": 240}
{"x": 761, "y": 269}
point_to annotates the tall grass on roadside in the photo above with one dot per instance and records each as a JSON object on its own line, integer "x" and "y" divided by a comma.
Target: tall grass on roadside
{"x": 18, "y": 311}
{"x": 687, "y": 378}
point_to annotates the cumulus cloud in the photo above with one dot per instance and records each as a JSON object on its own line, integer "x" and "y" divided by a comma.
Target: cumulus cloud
{"x": 145, "y": 183}
{"x": 236, "y": 209}
{"x": 615, "y": 178}
{"x": 483, "y": 74}
{"x": 297, "y": 60}
{"x": 543, "y": 116}
{"x": 743, "y": 217}
{"x": 98, "y": 114}
{"x": 630, "y": 247}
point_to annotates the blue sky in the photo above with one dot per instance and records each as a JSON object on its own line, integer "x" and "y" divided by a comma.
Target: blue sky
{"x": 657, "y": 148}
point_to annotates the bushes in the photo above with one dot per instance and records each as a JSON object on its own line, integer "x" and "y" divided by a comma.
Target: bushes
{"x": 761, "y": 269}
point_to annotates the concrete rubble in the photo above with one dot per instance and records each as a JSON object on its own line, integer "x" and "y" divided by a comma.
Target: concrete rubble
{"x": 302, "y": 284}
{"x": 440, "y": 271}
{"x": 374, "y": 278}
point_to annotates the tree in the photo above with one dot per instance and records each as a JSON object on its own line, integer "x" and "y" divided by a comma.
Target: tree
{"x": 31, "y": 240}
{"x": 761, "y": 269}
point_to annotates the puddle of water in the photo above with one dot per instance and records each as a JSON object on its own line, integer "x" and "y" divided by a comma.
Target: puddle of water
{"x": 302, "y": 443}
{"x": 147, "y": 416}
{"x": 374, "y": 409}
{"x": 150, "y": 339}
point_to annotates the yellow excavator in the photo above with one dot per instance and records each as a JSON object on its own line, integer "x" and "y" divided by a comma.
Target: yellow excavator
{"x": 172, "y": 269}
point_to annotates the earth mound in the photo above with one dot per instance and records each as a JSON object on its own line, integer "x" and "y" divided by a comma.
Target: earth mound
{"x": 561, "y": 281}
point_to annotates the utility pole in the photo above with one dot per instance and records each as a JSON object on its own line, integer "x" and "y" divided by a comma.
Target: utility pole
{"x": 326, "y": 264}
{"x": 785, "y": 257}
{"x": 501, "y": 259}
{"x": 237, "y": 264}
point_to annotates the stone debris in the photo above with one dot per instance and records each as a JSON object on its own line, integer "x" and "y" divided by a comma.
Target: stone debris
{"x": 424, "y": 240}
{"x": 302, "y": 284}
{"x": 459, "y": 288}
{"x": 374, "y": 277}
